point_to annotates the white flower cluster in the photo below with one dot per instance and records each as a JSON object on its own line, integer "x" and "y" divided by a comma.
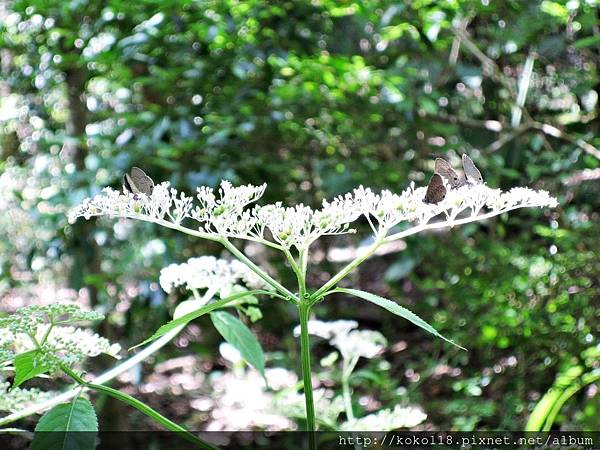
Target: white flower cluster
{"x": 386, "y": 209}
{"x": 225, "y": 214}
{"x": 59, "y": 345}
{"x": 299, "y": 226}
{"x": 387, "y": 419}
{"x": 240, "y": 401}
{"x": 16, "y": 399}
{"x": 328, "y": 405}
{"x": 343, "y": 335}
{"x": 207, "y": 272}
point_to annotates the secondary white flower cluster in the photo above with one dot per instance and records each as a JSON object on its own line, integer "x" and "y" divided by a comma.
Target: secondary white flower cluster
{"x": 329, "y": 406}
{"x": 225, "y": 212}
{"x": 207, "y": 272}
{"x": 299, "y": 226}
{"x": 387, "y": 419}
{"x": 29, "y": 329}
{"x": 343, "y": 335}
{"x": 16, "y": 399}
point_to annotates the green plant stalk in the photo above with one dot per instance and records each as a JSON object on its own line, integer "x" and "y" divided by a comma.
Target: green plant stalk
{"x": 140, "y": 406}
{"x": 347, "y": 269}
{"x": 304, "y": 310}
{"x": 232, "y": 248}
{"x": 257, "y": 270}
{"x": 383, "y": 238}
{"x": 586, "y": 379}
{"x": 347, "y": 368}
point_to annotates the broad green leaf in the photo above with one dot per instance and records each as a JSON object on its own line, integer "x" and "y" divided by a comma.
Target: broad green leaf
{"x": 25, "y": 369}
{"x": 237, "y": 334}
{"x": 398, "y": 310}
{"x": 183, "y": 320}
{"x": 71, "y": 426}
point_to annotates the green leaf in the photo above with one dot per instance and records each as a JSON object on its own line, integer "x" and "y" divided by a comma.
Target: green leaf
{"x": 183, "y": 320}
{"x": 398, "y": 310}
{"x": 237, "y": 334}
{"x": 25, "y": 369}
{"x": 61, "y": 428}
{"x": 587, "y": 41}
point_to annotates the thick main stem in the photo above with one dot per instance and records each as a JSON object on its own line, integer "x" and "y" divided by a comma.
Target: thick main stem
{"x": 304, "y": 311}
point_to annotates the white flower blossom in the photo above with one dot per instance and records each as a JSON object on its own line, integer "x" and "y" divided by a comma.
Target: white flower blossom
{"x": 293, "y": 404}
{"x": 299, "y": 226}
{"x": 17, "y": 399}
{"x": 350, "y": 342}
{"x": 328, "y": 330}
{"x": 360, "y": 343}
{"x": 206, "y": 272}
{"x": 387, "y": 419}
{"x": 61, "y": 345}
{"x": 226, "y": 213}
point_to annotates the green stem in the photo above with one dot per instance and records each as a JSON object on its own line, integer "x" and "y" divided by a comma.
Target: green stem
{"x": 349, "y": 267}
{"x": 257, "y": 270}
{"x": 140, "y": 406}
{"x": 293, "y": 263}
{"x": 347, "y": 368}
{"x": 304, "y": 310}
{"x": 381, "y": 239}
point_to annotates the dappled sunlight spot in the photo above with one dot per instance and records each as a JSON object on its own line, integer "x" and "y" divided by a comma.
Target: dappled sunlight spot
{"x": 388, "y": 419}
{"x": 175, "y": 376}
{"x": 41, "y": 294}
{"x": 241, "y": 402}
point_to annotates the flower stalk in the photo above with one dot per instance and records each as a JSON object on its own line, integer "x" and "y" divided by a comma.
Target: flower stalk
{"x": 304, "y": 310}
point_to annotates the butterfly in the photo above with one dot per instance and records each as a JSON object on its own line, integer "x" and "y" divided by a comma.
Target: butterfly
{"x": 137, "y": 182}
{"x": 444, "y": 168}
{"x": 436, "y": 191}
{"x": 472, "y": 173}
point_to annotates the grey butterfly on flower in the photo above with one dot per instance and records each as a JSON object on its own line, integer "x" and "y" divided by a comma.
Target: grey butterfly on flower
{"x": 472, "y": 173}
{"x": 444, "y": 168}
{"x": 436, "y": 191}
{"x": 137, "y": 182}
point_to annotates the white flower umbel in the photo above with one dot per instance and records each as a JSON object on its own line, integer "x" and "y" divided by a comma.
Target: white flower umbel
{"x": 44, "y": 328}
{"x": 350, "y": 342}
{"x": 227, "y": 213}
{"x": 206, "y": 272}
{"x": 16, "y": 399}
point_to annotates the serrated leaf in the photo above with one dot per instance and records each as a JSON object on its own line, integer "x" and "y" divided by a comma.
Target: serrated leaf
{"x": 183, "y": 320}
{"x": 239, "y": 336}
{"x": 395, "y": 308}
{"x": 25, "y": 369}
{"x": 71, "y": 426}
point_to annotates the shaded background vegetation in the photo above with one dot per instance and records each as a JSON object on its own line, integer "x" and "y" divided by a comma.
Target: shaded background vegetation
{"x": 315, "y": 98}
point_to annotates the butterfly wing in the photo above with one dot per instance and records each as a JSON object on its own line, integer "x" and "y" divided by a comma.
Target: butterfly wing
{"x": 472, "y": 173}
{"x": 444, "y": 168}
{"x": 436, "y": 191}
{"x": 128, "y": 184}
{"x": 140, "y": 182}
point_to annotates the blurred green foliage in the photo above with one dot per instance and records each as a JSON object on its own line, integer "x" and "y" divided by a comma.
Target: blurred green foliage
{"x": 315, "y": 98}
